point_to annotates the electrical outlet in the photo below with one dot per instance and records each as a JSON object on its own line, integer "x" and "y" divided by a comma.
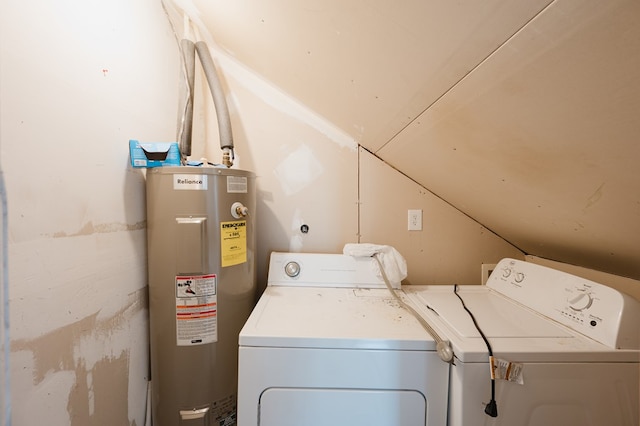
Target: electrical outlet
{"x": 487, "y": 269}
{"x": 415, "y": 220}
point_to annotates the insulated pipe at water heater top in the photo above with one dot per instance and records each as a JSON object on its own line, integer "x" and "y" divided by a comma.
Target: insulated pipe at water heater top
{"x": 185, "y": 117}
{"x": 222, "y": 111}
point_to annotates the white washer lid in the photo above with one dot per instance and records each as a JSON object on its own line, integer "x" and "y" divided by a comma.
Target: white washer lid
{"x": 498, "y": 316}
{"x": 515, "y": 332}
{"x": 344, "y": 318}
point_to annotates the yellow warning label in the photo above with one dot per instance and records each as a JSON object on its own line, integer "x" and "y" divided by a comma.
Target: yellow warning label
{"x": 233, "y": 242}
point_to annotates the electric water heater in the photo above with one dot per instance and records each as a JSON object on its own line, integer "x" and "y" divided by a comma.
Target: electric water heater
{"x": 202, "y": 282}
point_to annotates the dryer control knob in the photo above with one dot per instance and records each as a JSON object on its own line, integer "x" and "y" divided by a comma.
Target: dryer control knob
{"x": 580, "y": 301}
{"x": 292, "y": 269}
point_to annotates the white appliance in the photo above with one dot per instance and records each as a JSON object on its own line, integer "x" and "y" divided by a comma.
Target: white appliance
{"x": 573, "y": 343}
{"x": 327, "y": 344}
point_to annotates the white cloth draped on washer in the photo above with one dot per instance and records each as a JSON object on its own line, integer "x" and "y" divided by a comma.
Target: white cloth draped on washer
{"x": 394, "y": 265}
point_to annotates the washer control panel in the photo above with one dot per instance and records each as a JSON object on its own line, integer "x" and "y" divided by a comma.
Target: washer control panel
{"x": 595, "y": 310}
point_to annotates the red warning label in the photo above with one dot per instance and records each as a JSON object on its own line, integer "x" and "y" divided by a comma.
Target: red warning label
{"x": 196, "y": 310}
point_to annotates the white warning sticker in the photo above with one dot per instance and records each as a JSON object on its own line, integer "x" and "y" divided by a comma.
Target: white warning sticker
{"x": 506, "y": 370}
{"x": 237, "y": 184}
{"x": 196, "y": 310}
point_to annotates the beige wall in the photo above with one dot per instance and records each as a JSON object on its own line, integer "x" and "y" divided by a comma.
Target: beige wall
{"x": 520, "y": 113}
{"x": 77, "y": 81}
{"x": 450, "y": 248}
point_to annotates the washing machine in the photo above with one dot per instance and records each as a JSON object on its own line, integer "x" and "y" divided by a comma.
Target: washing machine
{"x": 564, "y": 349}
{"x": 327, "y": 344}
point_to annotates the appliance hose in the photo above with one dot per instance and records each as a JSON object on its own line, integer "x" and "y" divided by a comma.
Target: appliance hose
{"x": 185, "y": 120}
{"x": 442, "y": 347}
{"x": 222, "y": 111}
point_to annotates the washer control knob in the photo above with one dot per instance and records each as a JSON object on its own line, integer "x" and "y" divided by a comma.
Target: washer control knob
{"x": 292, "y": 269}
{"x": 506, "y": 272}
{"x": 580, "y": 301}
{"x": 519, "y": 277}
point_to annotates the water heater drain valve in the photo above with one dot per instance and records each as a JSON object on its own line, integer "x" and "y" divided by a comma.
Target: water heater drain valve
{"x": 238, "y": 210}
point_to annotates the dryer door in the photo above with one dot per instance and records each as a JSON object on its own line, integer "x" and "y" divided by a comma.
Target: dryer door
{"x": 352, "y": 407}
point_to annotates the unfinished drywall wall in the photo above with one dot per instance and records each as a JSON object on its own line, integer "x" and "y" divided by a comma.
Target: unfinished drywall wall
{"x": 306, "y": 170}
{"x": 523, "y": 114}
{"x": 450, "y": 247}
{"x": 309, "y": 172}
{"x": 77, "y": 80}
{"x": 539, "y": 142}
{"x": 92, "y": 364}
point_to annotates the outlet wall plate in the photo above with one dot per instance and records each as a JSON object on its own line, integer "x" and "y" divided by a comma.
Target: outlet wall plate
{"x": 487, "y": 269}
{"x": 414, "y": 220}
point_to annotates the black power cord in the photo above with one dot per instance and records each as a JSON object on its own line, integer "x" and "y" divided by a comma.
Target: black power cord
{"x": 491, "y": 408}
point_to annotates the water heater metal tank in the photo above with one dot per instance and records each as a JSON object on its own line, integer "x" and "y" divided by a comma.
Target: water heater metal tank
{"x": 202, "y": 283}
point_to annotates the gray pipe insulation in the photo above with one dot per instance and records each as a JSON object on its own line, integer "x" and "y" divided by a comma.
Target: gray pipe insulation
{"x": 222, "y": 111}
{"x": 185, "y": 118}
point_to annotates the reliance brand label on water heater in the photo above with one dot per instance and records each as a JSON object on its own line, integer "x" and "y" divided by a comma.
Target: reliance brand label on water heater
{"x": 190, "y": 182}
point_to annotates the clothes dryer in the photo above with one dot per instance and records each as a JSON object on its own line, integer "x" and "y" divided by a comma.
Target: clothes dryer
{"x": 327, "y": 344}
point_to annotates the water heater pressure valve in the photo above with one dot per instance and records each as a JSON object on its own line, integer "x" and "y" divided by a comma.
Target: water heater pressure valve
{"x": 238, "y": 210}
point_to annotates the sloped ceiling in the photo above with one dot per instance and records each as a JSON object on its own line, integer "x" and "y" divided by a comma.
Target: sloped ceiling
{"x": 525, "y": 115}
